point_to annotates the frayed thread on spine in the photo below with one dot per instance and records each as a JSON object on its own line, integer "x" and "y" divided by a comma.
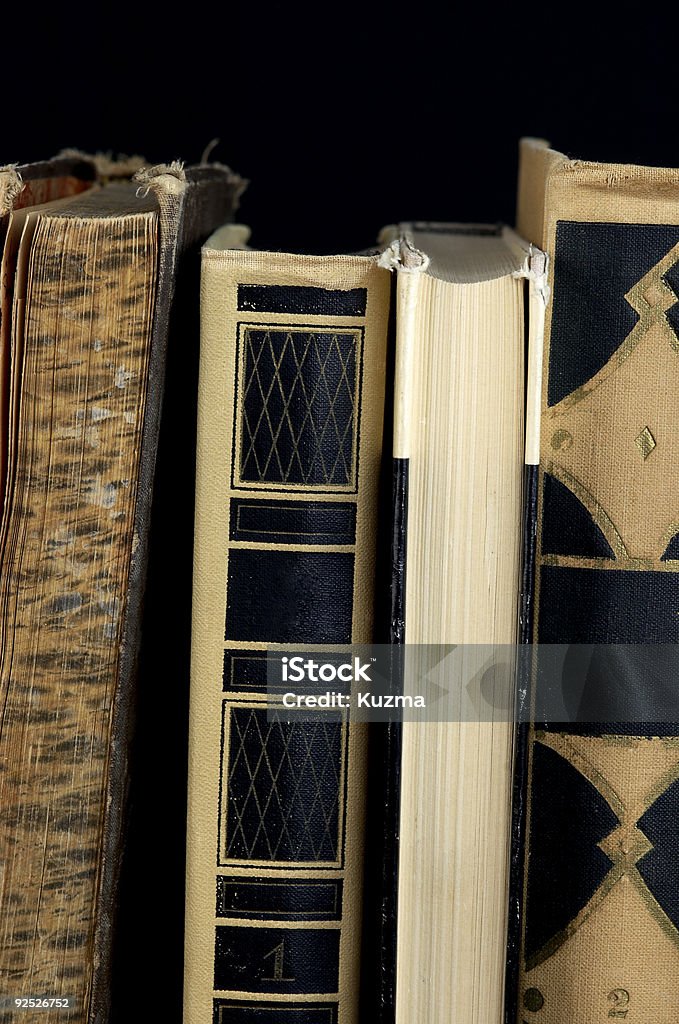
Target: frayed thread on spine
{"x": 173, "y": 174}
{"x": 11, "y": 186}
{"x": 535, "y": 269}
{"x": 107, "y": 166}
{"x": 403, "y": 256}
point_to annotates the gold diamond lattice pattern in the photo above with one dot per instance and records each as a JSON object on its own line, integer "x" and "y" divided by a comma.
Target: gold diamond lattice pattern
{"x": 283, "y": 787}
{"x": 299, "y": 406}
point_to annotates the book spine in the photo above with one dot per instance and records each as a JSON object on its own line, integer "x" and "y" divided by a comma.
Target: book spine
{"x": 52, "y": 826}
{"x": 390, "y": 754}
{"x": 190, "y": 204}
{"x": 291, "y": 404}
{"x": 536, "y": 302}
{"x": 37, "y": 183}
{"x": 600, "y": 937}
{"x": 391, "y": 740}
{"x": 521, "y": 747}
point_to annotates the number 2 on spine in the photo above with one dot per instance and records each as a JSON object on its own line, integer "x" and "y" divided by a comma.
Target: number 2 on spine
{"x": 620, "y": 999}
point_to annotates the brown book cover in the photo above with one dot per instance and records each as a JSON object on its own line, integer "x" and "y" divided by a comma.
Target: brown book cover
{"x": 94, "y": 304}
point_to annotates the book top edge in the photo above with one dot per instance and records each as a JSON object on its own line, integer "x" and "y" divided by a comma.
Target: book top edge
{"x": 227, "y": 250}
{"x": 461, "y": 254}
{"x": 593, "y": 170}
{"x": 457, "y": 254}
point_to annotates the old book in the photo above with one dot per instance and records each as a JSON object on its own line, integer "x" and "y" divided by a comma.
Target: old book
{"x": 89, "y": 297}
{"x": 465, "y": 296}
{"x": 32, "y": 184}
{"x": 22, "y": 187}
{"x": 600, "y": 894}
{"x": 291, "y": 405}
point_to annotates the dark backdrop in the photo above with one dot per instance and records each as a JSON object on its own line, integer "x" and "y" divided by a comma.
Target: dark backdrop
{"x": 344, "y": 117}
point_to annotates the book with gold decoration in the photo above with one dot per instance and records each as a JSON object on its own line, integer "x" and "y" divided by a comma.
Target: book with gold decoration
{"x": 291, "y": 409}
{"x": 294, "y": 372}
{"x": 600, "y": 895}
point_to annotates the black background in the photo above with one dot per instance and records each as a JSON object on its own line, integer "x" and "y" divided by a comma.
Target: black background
{"x": 344, "y": 117}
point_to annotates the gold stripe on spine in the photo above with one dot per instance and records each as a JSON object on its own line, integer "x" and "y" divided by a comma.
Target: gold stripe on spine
{"x": 597, "y": 513}
{"x": 619, "y": 564}
{"x": 274, "y": 997}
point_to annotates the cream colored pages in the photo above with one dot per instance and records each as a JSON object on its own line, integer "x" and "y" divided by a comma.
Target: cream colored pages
{"x": 461, "y": 397}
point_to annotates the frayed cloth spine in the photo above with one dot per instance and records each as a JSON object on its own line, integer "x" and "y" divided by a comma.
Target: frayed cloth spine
{"x": 11, "y": 185}
{"x": 162, "y": 177}
{"x": 106, "y": 165}
{"x": 535, "y": 271}
{"x": 403, "y": 256}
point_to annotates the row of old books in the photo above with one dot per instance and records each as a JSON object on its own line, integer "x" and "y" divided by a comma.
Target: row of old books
{"x": 458, "y": 448}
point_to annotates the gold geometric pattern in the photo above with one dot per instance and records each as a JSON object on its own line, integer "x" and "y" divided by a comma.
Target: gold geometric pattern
{"x": 299, "y": 406}
{"x": 626, "y": 845}
{"x": 645, "y": 442}
{"x": 595, "y": 435}
{"x": 605, "y": 946}
{"x": 283, "y": 787}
